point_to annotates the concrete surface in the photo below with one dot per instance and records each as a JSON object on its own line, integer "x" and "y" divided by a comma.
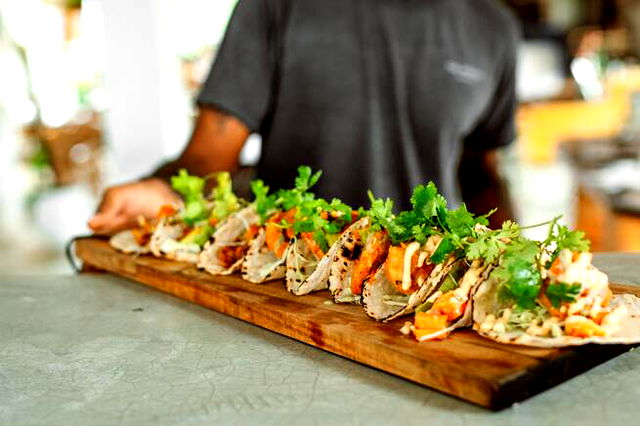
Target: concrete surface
{"x": 101, "y": 350}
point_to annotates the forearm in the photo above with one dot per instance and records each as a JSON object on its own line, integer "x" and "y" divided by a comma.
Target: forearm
{"x": 483, "y": 187}
{"x": 214, "y": 146}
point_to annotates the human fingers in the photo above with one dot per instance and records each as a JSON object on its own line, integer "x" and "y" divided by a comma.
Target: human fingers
{"x": 102, "y": 225}
{"x": 110, "y": 207}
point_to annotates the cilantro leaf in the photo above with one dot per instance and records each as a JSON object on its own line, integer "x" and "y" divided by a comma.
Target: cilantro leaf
{"x": 562, "y": 292}
{"x": 306, "y": 179}
{"x": 446, "y": 247}
{"x": 520, "y": 281}
{"x": 423, "y": 220}
{"x": 426, "y": 200}
{"x": 290, "y": 198}
{"x": 560, "y": 238}
{"x": 322, "y": 218}
{"x": 518, "y": 275}
{"x": 264, "y": 203}
{"x": 380, "y": 213}
{"x": 571, "y": 240}
{"x": 403, "y": 227}
{"x": 490, "y": 244}
{"x": 461, "y": 222}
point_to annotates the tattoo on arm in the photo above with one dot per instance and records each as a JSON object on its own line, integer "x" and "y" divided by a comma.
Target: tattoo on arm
{"x": 222, "y": 118}
{"x": 211, "y": 123}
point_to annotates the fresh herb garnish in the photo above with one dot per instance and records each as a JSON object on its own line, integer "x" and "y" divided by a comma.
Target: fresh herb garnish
{"x": 562, "y": 292}
{"x": 264, "y": 203}
{"x": 421, "y": 221}
{"x": 490, "y": 244}
{"x": 225, "y": 201}
{"x": 322, "y": 219}
{"x": 380, "y": 214}
{"x": 287, "y": 199}
{"x": 560, "y": 238}
{"x": 430, "y": 216}
{"x": 191, "y": 188}
{"x": 520, "y": 280}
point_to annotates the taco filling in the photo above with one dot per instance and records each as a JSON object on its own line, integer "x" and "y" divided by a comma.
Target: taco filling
{"x": 318, "y": 227}
{"x": 267, "y": 252}
{"x": 224, "y": 254}
{"x": 549, "y": 294}
{"x": 138, "y": 239}
{"x": 426, "y": 244}
{"x": 200, "y": 216}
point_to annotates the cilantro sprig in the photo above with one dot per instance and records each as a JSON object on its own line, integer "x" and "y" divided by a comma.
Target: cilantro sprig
{"x": 321, "y": 218}
{"x": 562, "y": 292}
{"x": 284, "y": 199}
{"x": 422, "y": 220}
{"x": 489, "y": 245}
{"x": 290, "y": 198}
{"x": 265, "y": 203}
{"x": 380, "y": 213}
{"x": 560, "y": 238}
{"x": 314, "y": 215}
{"x": 430, "y": 216}
{"x": 518, "y": 274}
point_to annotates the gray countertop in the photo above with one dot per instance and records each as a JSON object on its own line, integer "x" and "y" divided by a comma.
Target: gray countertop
{"x": 101, "y": 350}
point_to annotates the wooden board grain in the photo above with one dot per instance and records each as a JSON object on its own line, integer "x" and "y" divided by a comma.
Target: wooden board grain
{"x": 466, "y": 365}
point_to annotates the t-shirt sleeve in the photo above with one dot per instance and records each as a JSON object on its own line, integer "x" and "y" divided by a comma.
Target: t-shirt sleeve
{"x": 241, "y": 78}
{"x": 496, "y": 128}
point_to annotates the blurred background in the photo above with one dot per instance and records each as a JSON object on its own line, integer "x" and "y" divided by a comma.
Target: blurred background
{"x": 98, "y": 92}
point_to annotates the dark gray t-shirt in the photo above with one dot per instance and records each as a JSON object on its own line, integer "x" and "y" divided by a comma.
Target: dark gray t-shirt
{"x": 379, "y": 94}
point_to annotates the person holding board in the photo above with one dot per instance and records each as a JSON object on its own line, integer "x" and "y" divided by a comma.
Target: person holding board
{"x": 379, "y": 94}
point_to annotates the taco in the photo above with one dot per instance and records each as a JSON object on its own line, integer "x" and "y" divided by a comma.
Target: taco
{"x": 406, "y": 279}
{"x": 548, "y": 294}
{"x": 261, "y": 263}
{"x": 319, "y": 228}
{"x": 182, "y": 236}
{"x": 138, "y": 240}
{"x": 127, "y": 242}
{"x": 358, "y": 254}
{"x": 266, "y": 256}
{"x": 420, "y": 247}
{"x": 225, "y": 252}
{"x": 364, "y": 249}
{"x": 450, "y": 306}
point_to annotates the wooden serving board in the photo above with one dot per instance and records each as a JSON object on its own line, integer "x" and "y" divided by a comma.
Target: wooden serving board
{"x": 465, "y": 365}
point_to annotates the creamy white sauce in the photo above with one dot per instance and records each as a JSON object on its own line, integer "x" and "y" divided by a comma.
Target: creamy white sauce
{"x": 406, "y": 272}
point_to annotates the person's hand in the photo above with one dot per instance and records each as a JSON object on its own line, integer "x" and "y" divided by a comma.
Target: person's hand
{"x": 122, "y": 205}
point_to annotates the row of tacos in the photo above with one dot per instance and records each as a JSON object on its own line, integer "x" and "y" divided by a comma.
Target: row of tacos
{"x": 443, "y": 265}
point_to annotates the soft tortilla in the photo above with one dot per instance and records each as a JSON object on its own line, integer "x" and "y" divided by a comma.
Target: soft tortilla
{"x": 379, "y": 286}
{"x": 261, "y": 264}
{"x": 126, "y": 242}
{"x": 164, "y": 231}
{"x": 475, "y": 276}
{"x": 341, "y": 266}
{"x": 301, "y": 264}
{"x": 182, "y": 252}
{"x": 305, "y": 273}
{"x": 228, "y": 233}
{"x": 486, "y": 302}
